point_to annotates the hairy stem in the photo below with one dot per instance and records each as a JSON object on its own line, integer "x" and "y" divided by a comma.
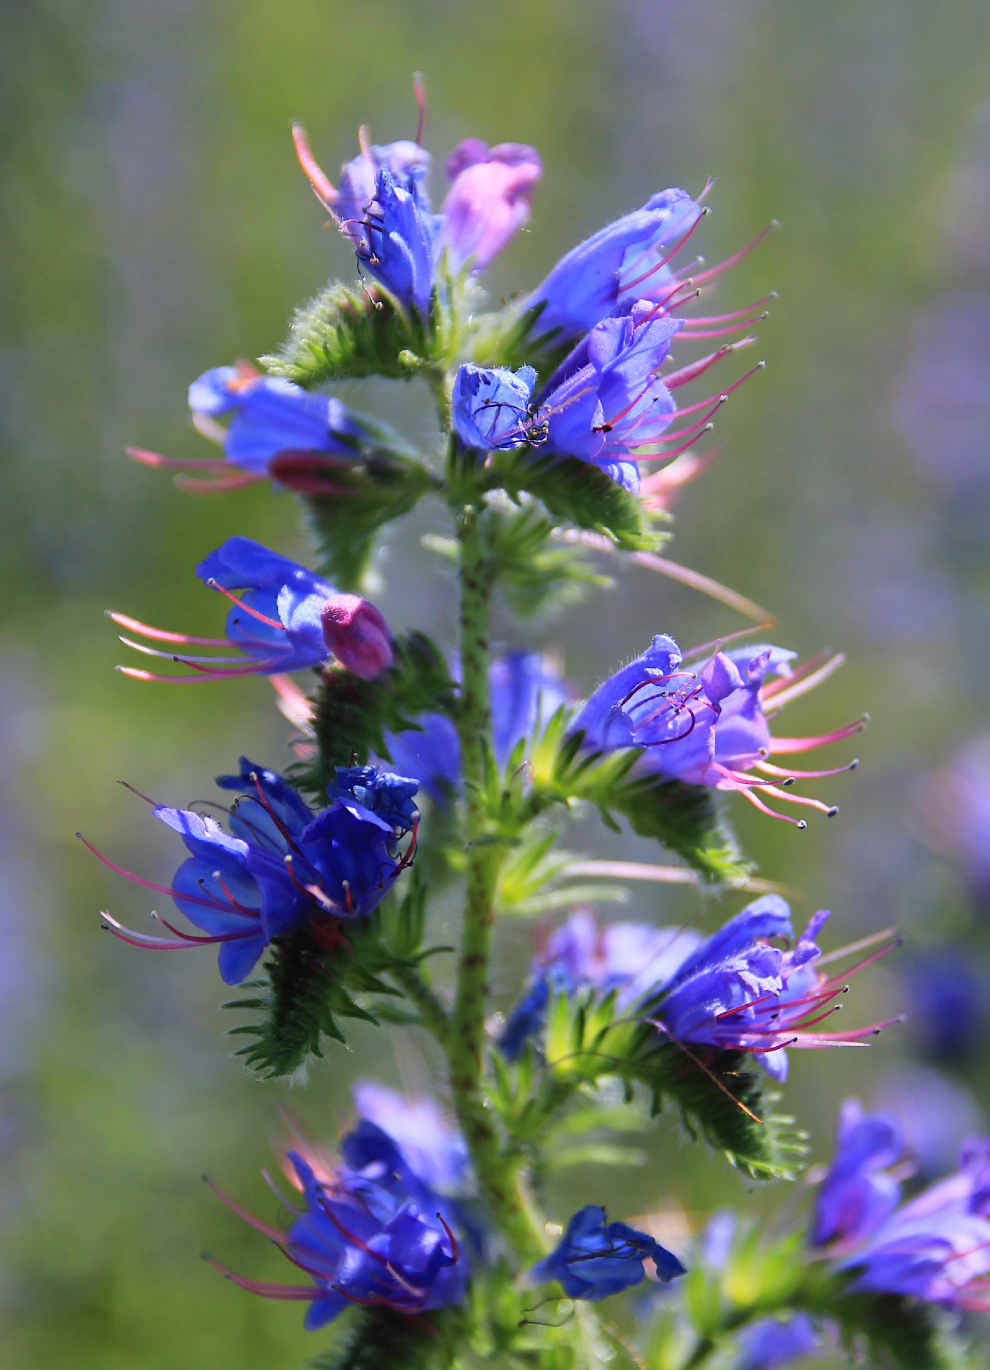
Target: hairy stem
{"x": 496, "y": 1173}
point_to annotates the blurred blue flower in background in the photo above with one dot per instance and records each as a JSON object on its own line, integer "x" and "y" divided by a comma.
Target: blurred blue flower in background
{"x": 596, "y": 1258}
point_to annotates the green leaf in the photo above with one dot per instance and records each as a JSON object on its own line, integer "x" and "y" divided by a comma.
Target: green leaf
{"x": 684, "y": 818}
{"x": 535, "y": 571}
{"x": 578, "y": 492}
{"x": 343, "y": 334}
{"x": 723, "y": 1101}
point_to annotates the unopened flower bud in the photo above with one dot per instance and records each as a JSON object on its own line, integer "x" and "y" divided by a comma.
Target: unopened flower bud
{"x": 357, "y": 635}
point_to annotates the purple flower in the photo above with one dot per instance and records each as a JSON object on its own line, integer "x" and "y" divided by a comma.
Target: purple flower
{"x": 774, "y": 1342}
{"x": 436, "y": 1151}
{"x": 936, "y": 1247}
{"x": 947, "y": 990}
{"x": 357, "y": 634}
{"x": 624, "y": 262}
{"x": 631, "y": 958}
{"x": 280, "y": 868}
{"x": 859, "y": 1191}
{"x": 706, "y": 725}
{"x": 935, "y": 1113}
{"x": 288, "y": 619}
{"x": 488, "y": 201}
{"x": 596, "y": 1258}
{"x": 369, "y": 1231}
{"x": 276, "y": 429}
{"x": 737, "y": 992}
{"x": 525, "y": 687}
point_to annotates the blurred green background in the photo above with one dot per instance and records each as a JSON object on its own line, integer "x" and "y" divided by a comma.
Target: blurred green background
{"x": 154, "y": 224}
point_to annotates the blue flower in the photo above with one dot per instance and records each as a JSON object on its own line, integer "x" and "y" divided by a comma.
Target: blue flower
{"x": 606, "y": 400}
{"x": 389, "y": 796}
{"x": 704, "y": 725}
{"x": 620, "y": 263}
{"x": 775, "y": 1342}
{"x": 370, "y": 1232}
{"x": 737, "y": 992}
{"x": 280, "y": 868}
{"x": 936, "y": 1247}
{"x": 488, "y": 201}
{"x": 491, "y": 406}
{"x": 631, "y": 958}
{"x": 397, "y": 244}
{"x": 435, "y": 1150}
{"x": 288, "y": 619}
{"x": 272, "y": 418}
{"x": 524, "y": 686}
{"x": 596, "y": 1258}
{"x": 858, "y": 1192}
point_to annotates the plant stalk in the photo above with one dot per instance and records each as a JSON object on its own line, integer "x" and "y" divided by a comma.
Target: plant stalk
{"x": 497, "y": 1174}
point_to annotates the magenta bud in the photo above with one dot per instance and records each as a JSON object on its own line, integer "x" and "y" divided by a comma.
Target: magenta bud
{"x": 357, "y": 635}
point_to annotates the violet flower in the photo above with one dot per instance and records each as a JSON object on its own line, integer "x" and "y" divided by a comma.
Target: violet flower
{"x": 434, "y": 1148}
{"x": 707, "y": 725}
{"x": 288, "y": 619}
{"x": 626, "y": 261}
{"x": 278, "y": 869}
{"x": 775, "y": 1342}
{"x": 738, "y": 992}
{"x": 596, "y": 1258}
{"x": 935, "y": 1247}
{"x": 605, "y": 404}
{"x": 860, "y": 1190}
{"x": 488, "y": 201}
{"x": 369, "y": 1231}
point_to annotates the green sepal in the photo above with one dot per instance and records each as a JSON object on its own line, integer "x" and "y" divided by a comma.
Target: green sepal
{"x": 578, "y": 493}
{"x": 687, "y": 820}
{"x": 684, "y": 818}
{"x": 380, "y": 1339}
{"x": 511, "y": 338}
{"x": 386, "y": 484}
{"x": 720, "y": 1098}
{"x": 344, "y": 334}
{"x": 316, "y": 975}
{"x": 351, "y": 715}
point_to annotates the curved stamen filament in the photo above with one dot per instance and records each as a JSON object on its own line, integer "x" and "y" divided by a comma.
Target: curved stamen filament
{"x": 255, "y": 613}
{"x": 685, "y": 374}
{"x": 713, "y": 272}
{"x": 217, "y": 487}
{"x": 788, "y": 745}
{"x": 159, "y": 635}
{"x": 323, "y": 187}
{"x": 629, "y": 285}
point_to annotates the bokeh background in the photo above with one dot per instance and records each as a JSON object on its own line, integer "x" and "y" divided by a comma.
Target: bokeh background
{"x": 154, "y": 224}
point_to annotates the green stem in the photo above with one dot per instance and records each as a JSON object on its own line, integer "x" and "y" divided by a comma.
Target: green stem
{"x": 431, "y": 1010}
{"x": 497, "y": 1175}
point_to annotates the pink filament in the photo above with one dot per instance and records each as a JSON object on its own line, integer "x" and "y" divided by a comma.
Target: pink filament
{"x": 159, "y": 635}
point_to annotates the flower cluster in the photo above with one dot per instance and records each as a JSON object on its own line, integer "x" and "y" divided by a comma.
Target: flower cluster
{"x": 934, "y": 1247}
{"x": 280, "y": 867}
{"x": 431, "y": 1230}
{"x": 369, "y": 1231}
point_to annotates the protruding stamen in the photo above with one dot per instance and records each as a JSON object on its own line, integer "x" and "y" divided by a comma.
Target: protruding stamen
{"x": 216, "y": 487}
{"x": 780, "y": 746}
{"x": 693, "y": 370}
{"x": 158, "y": 462}
{"x": 323, "y": 188}
{"x": 729, "y": 262}
{"x": 228, "y": 594}
{"x": 419, "y": 91}
{"x": 158, "y": 635}
{"x": 786, "y": 693}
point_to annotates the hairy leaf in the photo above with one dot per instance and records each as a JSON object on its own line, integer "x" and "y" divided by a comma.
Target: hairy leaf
{"x": 344, "y": 333}
{"x": 579, "y": 493}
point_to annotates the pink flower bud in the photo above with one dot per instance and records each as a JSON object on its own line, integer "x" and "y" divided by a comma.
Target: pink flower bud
{"x": 357, "y": 635}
